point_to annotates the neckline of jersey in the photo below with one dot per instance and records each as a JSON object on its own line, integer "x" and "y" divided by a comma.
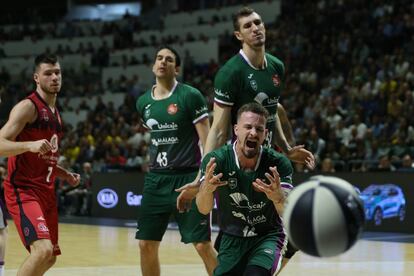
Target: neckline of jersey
{"x": 244, "y": 56}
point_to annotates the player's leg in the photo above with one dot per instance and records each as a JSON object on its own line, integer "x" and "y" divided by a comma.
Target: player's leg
{"x": 267, "y": 253}
{"x": 153, "y": 221}
{"x": 287, "y": 255}
{"x": 40, "y": 259}
{"x": 3, "y": 237}
{"x": 150, "y": 261}
{"x": 207, "y": 254}
{"x": 195, "y": 227}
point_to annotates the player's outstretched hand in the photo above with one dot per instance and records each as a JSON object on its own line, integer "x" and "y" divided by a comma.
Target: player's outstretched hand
{"x": 187, "y": 193}
{"x": 211, "y": 181}
{"x": 301, "y": 155}
{"x": 273, "y": 190}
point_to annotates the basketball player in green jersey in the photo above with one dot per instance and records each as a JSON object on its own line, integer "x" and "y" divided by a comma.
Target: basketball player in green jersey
{"x": 252, "y": 75}
{"x": 177, "y": 117}
{"x": 250, "y": 183}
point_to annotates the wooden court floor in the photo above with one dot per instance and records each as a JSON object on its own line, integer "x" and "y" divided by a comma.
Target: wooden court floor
{"x": 103, "y": 250}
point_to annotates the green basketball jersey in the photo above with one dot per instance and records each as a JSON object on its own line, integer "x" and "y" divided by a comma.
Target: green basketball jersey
{"x": 238, "y": 83}
{"x": 174, "y": 139}
{"x": 241, "y": 210}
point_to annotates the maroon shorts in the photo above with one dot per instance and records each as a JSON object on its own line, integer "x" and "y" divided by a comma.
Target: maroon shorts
{"x": 33, "y": 217}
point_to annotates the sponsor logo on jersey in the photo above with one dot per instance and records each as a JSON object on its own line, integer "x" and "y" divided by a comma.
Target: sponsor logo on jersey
{"x": 218, "y": 92}
{"x": 54, "y": 143}
{"x": 172, "y": 109}
{"x": 276, "y": 80}
{"x": 107, "y": 198}
{"x": 232, "y": 173}
{"x": 165, "y": 141}
{"x": 26, "y": 231}
{"x": 250, "y": 76}
{"x": 202, "y": 110}
{"x": 256, "y": 220}
{"x": 238, "y": 215}
{"x": 44, "y": 115}
{"x": 42, "y": 227}
{"x": 232, "y": 183}
{"x": 273, "y": 101}
{"x": 253, "y": 84}
{"x": 241, "y": 201}
{"x": 168, "y": 126}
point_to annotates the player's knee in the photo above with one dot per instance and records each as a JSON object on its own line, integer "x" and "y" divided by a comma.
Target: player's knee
{"x": 148, "y": 247}
{"x": 51, "y": 261}
{"x": 42, "y": 249}
{"x": 203, "y": 247}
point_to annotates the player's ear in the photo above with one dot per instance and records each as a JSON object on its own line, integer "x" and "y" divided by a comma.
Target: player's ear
{"x": 236, "y": 128}
{"x": 238, "y": 35}
{"x": 36, "y": 77}
{"x": 177, "y": 70}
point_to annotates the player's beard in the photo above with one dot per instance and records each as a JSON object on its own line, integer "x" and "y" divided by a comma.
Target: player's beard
{"x": 248, "y": 152}
{"x": 50, "y": 89}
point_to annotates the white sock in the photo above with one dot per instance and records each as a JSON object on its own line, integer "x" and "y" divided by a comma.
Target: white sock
{"x": 1, "y": 270}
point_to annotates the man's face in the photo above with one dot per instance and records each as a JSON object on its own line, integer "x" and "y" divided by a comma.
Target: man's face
{"x": 251, "y": 31}
{"x": 251, "y": 132}
{"x": 48, "y": 77}
{"x": 165, "y": 66}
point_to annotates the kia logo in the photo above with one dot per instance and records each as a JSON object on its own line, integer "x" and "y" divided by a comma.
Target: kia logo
{"x": 107, "y": 198}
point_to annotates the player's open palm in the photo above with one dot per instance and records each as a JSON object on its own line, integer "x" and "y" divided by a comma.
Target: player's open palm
{"x": 273, "y": 190}
{"x": 211, "y": 181}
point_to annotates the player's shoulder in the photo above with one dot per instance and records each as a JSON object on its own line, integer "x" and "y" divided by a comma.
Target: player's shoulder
{"x": 187, "y": 89}
{"x": 222, "y": 153}
{"x": 26, "y": 105}
{"x": 144, "y": 99}
{"x": 275, "y": 62}
{"x": 232, "y": 66}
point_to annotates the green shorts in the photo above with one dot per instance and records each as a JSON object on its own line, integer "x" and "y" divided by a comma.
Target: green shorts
{"x": 159, "y": 203}
{"x": 236, "y": 253}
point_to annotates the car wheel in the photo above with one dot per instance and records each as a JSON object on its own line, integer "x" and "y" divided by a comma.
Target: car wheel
{"x": 378, "y": 217}
{"x": 401, "y": 213}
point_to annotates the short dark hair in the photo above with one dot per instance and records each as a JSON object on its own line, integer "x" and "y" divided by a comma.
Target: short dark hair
{"x": 254, "y": 108}
{"x": 177, "y": 56}
{"x": 45, "y": 58}
{"x": 245, "y": 11}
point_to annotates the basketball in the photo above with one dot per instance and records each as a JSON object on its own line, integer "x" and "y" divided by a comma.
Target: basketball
{"x": 324, "y": 216}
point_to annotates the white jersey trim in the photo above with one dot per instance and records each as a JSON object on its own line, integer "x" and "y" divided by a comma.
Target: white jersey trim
{"x": 223, "y": 102}
{"x": 250, "y": 64}
{"x": 237, "y": 159}
{"x": 195, "y": 121}
{"x": 169, "y": 94}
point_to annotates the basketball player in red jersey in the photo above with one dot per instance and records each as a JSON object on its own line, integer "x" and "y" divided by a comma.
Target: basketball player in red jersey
{"x": 29, "y": 187}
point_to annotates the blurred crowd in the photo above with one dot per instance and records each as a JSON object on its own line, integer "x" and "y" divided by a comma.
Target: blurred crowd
{"x": 348, "y": 89}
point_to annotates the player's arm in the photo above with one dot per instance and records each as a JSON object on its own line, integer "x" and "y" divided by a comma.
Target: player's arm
{"x": 285, "y": 124}
{"x": 23, "y": 113}
{"x": 296, "y": 153}
{"x": 219, "y": 131}
{"x": 71, "y": 177}
{"x": 205, "y": 196}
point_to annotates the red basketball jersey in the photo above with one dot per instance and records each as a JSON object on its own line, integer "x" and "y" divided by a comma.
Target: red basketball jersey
{"x": 32, "y": 170}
